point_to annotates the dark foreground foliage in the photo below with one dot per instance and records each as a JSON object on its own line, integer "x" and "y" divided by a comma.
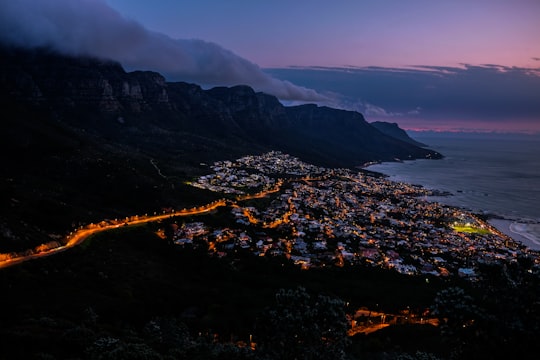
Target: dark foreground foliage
{"x": 130, "y": 295}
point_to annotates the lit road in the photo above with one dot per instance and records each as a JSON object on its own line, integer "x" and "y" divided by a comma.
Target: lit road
{"x": 84, "y": 233}
{"x": 80, "y": 235}
{"x": 376, "y": 321}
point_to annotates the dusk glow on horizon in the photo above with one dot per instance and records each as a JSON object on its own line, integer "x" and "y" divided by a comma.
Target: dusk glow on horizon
{"x": 388, "y": 34}
{"x": 457, "y": 66}
{"x": 354, "y": 33}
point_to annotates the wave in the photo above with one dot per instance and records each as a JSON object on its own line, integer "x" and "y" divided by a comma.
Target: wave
{"x": 521, "y": 230}
{"x": 529, "y": 231}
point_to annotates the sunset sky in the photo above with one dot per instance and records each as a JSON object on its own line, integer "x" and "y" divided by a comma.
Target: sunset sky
{"x": 385, "y": 33}
{"x": 444, "y": 65}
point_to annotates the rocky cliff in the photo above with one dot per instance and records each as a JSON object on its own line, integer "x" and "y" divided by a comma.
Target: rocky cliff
{"x": 85, "y": 91}
{"x": 80, "y": 140}
{"x": 393, "y": 130}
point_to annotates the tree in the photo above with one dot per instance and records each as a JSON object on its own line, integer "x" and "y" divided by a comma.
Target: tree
{"x": 301, "y": 326}
{"x": 456, "y": 311}
{"x": 109, "y": 348}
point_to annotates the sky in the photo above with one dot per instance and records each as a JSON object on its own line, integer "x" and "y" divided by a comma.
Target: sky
{"x": 456, "y": 65}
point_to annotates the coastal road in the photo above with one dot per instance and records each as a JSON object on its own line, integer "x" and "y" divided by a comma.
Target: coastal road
{"x": 84, "y": 233}
{"x": 80, "y": 235}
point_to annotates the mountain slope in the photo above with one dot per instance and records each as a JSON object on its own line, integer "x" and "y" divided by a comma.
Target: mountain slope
{"x": 393, "y": 130}
{"x": 82, "y": 140}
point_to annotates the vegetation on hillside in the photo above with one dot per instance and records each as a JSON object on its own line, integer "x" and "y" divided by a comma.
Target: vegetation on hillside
{"x": 129, "y": 294}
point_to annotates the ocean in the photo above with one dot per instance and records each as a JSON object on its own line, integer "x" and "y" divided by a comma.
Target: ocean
{"x": 485, "y": 173}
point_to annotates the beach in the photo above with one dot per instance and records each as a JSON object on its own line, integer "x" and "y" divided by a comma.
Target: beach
{"x": 485, "y": 174}
{"x": 526, "y": 233}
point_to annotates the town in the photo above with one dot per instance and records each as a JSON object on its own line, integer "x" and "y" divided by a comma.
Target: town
{"x": 340, "y": 217}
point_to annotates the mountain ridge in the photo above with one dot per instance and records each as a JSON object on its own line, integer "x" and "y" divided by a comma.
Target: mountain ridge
{"x": 105, "y": 90}
{"x": 393, "y": 129}
{"x": 80, "y": 139}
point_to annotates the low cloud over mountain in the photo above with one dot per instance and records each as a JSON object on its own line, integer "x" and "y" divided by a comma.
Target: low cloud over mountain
{"x": 91, "y": 27}
{"x": 470, "y": 98}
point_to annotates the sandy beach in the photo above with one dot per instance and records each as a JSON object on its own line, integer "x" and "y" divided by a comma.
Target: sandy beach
{"x": 525, "y": 233}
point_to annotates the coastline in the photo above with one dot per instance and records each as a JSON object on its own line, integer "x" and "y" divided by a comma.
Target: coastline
{"x": 482, "y": 177}
{"x": 522, "y": 231}
{"x": 518, "y": 231}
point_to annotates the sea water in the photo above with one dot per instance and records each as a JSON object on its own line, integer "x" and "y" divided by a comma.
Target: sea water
{"x": 485, "y": 173}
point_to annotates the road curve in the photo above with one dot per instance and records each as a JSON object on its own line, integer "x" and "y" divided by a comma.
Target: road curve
{"x": 83, "y": 233}
{"x": 79, "y": 236}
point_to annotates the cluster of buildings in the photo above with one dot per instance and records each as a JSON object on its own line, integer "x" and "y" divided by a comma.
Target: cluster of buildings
{"x": 323, "y": 217}
{"x": 253, "y": 172}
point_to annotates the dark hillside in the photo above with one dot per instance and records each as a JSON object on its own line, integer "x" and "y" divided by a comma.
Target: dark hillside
{"x": 393, "y": 130}
{"x": 82, "y": 140}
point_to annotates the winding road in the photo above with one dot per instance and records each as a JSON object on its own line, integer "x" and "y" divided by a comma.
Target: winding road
{"x": 83, "y": 233}
{"x": 80, "y": 235}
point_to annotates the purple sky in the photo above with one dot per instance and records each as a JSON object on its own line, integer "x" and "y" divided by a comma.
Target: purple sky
{"x": 393, "y": 33}
{"x": 424, "y": 64}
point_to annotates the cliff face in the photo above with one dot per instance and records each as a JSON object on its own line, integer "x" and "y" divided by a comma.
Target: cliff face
{"x": 63, "y": 83}
{"x": 393, "y": 130}
{"x": 100, "y": 90}
{"x": 80, "y": 139}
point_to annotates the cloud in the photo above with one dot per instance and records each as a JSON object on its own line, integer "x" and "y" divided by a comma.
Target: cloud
{"x": 493, "y": 94}
{"x": 91, "y": 27}
{"x": 370, "y": 110}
